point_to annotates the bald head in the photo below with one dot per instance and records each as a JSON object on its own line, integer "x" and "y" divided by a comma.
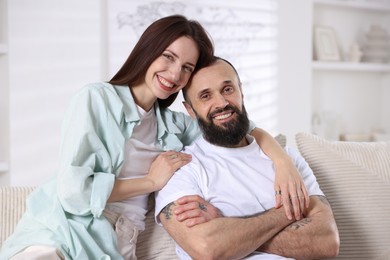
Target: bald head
{"x": 214, "y": 98}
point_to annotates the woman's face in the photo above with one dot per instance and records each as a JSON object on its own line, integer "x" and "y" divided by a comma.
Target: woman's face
{"x": 171, "y": 71}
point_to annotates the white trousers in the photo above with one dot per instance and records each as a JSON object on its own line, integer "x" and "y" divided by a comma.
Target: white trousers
{"x": 126, "y": 234}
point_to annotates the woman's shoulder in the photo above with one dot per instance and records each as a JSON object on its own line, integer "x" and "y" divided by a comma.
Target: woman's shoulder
{"x": 98, "y": 87}
{"x": 97, "y": 91}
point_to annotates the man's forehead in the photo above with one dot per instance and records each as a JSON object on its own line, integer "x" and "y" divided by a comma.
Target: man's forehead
{"x": 217, "y": 73}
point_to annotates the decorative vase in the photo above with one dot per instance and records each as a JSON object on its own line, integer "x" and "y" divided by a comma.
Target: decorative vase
{"x": 376, "y": 48}
{"x": 355, "y": 54}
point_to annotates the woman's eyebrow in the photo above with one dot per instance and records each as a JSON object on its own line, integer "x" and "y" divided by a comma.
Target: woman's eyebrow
{"x": 177, "y": 56}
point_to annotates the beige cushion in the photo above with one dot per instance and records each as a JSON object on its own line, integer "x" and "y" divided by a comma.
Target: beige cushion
{"x": 12, "y": 207}
{"x": 355, "y": 177}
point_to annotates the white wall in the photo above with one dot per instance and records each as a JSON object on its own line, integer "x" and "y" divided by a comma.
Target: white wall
{"x": 294, "y": 68}
{"x": 54, "y": 49}
{"x": 4, "y": 93}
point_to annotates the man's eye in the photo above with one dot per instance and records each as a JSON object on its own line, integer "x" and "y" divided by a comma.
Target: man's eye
{"x": 204, "y": 96}
{"x": 228, "y": 89}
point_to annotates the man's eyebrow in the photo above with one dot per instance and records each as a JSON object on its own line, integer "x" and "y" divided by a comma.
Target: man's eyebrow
{"x": 203, "y": 91}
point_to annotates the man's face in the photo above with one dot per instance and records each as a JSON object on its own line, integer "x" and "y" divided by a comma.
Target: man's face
{"x": 217, "y": 103}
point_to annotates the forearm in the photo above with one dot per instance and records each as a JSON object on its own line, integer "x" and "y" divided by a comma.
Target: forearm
{"x": 128, "y": 188}
{"x": 270, "y": 146}
{"x": 315, "y": 236}
{"x": 288, "y": 181}
{"x": 214, "y": 239}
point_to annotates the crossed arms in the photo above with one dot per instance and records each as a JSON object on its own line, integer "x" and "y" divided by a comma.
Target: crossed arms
{"x": 313, "y": 236}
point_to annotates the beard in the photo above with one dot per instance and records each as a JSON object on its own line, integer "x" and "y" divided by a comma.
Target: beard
{"x": 230, "y": 133}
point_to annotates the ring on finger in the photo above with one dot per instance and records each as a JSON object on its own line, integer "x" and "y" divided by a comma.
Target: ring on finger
{"x": 173, "y": 156}
{"x": 278, "y": 192}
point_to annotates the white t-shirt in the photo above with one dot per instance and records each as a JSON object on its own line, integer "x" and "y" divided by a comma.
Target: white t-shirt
{"x": 238, "y": 181}
{"x": 140, "y": 151}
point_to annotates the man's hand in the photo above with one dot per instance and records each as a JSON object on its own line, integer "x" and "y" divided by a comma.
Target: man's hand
{"x": 195, "y": 210}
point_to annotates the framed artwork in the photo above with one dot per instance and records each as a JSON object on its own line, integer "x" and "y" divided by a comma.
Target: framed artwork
{"x": 325, "y": 44}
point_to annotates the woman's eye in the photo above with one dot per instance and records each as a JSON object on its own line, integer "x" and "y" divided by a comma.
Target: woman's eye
{"x": 188, "y": 69}
{"x": 168, "y": 56}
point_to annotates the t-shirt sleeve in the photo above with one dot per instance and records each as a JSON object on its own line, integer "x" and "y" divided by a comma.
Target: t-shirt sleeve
{"x": 186, "y": 181}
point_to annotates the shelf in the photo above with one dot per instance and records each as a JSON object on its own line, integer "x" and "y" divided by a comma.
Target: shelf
{"x": 351, "y": 66}
{"x": 3, "y": 48}
{"x": 3, "y": 167}
{"x": 358, "y": 4}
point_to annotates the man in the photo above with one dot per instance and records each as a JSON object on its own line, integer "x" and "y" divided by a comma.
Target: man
{"x": 226, "y": 172}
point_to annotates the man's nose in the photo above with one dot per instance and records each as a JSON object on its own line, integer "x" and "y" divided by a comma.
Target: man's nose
{"x": 221, "y": 101}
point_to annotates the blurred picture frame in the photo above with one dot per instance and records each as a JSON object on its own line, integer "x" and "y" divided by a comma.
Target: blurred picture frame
{"x": 325, "y": 44}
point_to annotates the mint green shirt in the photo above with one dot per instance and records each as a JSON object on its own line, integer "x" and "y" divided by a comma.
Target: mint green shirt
{"x": 67, "y": 212}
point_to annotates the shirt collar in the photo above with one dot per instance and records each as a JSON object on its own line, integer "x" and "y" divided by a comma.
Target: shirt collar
{"x": 129, "y": 107}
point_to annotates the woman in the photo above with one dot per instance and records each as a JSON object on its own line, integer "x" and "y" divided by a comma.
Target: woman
{"x": 112, "y": 154}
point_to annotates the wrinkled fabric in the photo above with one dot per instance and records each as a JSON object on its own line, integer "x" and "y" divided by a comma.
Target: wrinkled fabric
{"x": 66, "y": 213}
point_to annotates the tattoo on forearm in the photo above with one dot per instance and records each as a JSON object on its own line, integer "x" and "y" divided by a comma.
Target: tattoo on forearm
{"x": 298, "y": 224}
{"x": 167, "y": 211}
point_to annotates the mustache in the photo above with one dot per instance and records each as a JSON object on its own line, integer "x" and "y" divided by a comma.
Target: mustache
{"x": 220, "y": 110}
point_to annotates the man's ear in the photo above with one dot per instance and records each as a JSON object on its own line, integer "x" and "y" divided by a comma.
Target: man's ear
{"x": 189, "y": 110}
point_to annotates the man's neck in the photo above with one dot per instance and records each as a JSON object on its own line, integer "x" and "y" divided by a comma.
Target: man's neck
{"x": 244, "y": 142}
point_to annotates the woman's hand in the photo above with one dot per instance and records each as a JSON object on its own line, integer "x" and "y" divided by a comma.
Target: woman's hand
{"x": 164, "y": 166}
{"x": 195, "y": 210}
{"x": 290, "y": 190}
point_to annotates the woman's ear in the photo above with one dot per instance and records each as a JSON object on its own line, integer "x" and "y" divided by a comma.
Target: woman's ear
{"x": 189, "y": 109}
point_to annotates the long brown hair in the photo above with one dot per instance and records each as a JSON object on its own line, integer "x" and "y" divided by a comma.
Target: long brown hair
{"x": 156, "y": 38}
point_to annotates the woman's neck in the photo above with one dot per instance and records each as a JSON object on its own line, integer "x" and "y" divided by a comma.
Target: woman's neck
{"x": 142, "y": 97}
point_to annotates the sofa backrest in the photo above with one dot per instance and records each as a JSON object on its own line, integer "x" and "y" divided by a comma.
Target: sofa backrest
{"x": 355, "y": 177}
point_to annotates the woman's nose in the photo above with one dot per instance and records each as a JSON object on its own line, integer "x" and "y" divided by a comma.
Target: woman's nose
{"x": 175, "y": 72}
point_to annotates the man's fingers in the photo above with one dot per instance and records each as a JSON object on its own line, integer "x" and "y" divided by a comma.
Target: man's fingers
{"x": 189, "y": 198}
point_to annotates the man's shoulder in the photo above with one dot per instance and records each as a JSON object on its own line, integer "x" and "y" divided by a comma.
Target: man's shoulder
{"x": 198, "y": 147}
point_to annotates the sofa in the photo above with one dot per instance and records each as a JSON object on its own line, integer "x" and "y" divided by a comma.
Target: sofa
{"x": 355, "y": 177}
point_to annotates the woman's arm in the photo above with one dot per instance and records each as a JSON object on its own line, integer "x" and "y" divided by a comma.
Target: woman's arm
{"x": 289, "y": 184}
{"x": 161, "y": 170}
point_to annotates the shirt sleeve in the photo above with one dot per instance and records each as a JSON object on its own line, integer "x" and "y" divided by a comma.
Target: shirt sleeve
{"x": 86, "y": 178}
{"x": 188, "y": 180}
